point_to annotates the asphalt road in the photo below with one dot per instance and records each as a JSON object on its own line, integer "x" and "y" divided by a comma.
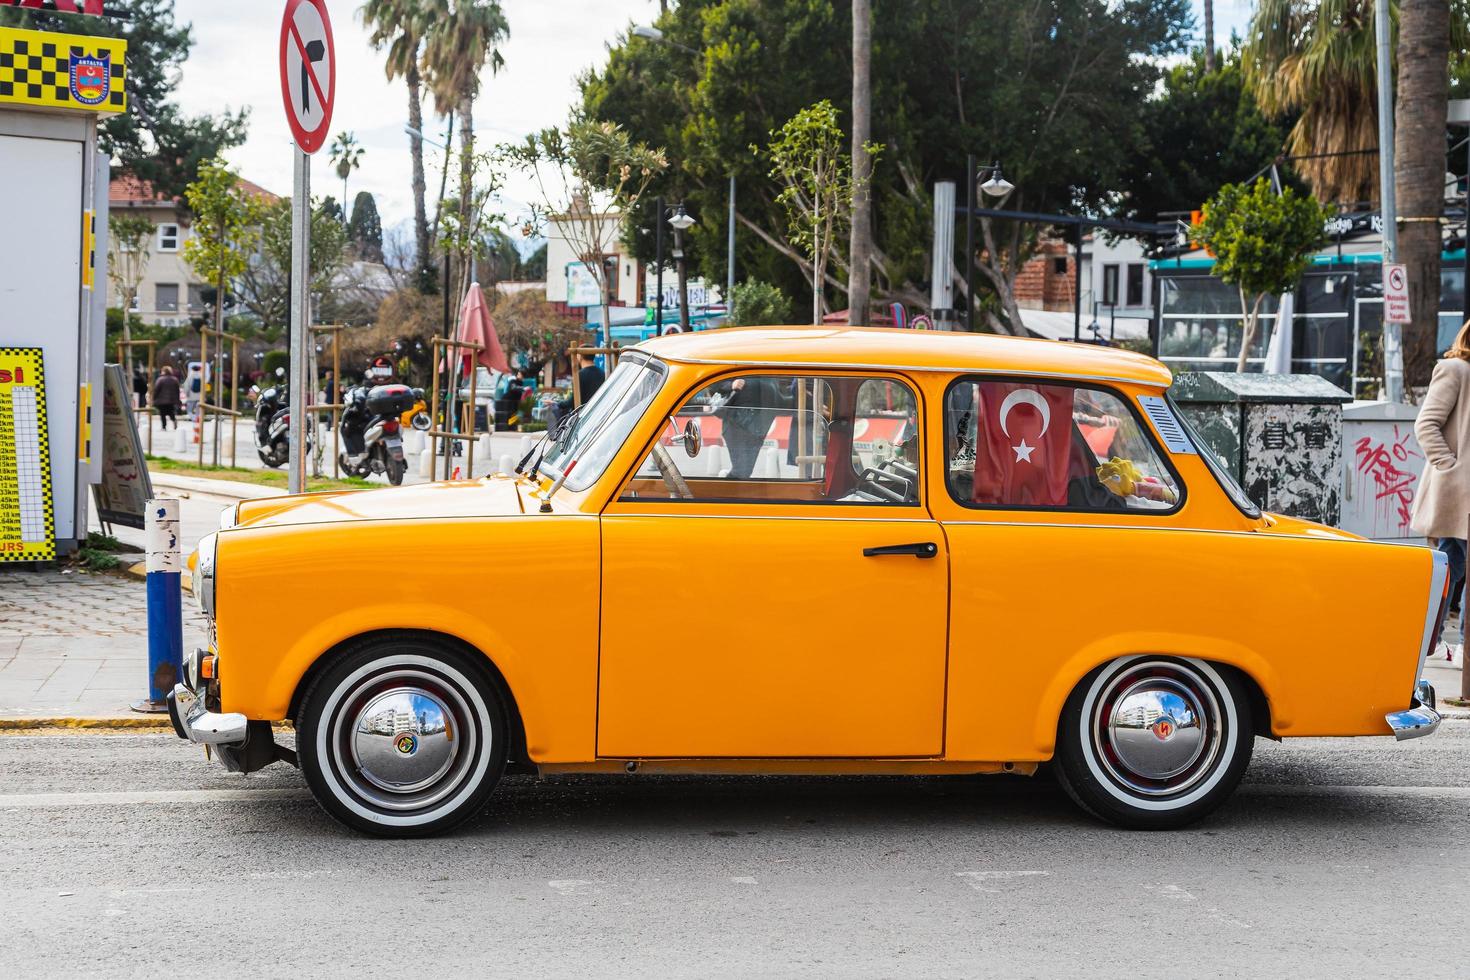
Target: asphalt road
{"x": 124, "y": 854}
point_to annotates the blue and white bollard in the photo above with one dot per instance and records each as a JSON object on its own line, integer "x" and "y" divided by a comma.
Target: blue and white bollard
{"x": 165, "y": 566}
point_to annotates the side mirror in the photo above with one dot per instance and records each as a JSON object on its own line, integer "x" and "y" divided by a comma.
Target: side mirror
{"x": 693, "y": 438}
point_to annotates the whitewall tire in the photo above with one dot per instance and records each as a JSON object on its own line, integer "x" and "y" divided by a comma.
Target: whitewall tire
{"x": 1153, "y": 743}
{"x": 401, "y": 739}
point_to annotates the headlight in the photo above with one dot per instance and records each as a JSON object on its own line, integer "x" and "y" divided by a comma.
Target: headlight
{"x": 204, "y": 574}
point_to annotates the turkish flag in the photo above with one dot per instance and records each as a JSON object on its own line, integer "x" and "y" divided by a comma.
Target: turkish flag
{"x": 1025, "y": 444}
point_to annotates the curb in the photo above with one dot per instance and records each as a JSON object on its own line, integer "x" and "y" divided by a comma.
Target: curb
{"x": 148, "y": 722}
{"x": 139, "y": 570}
{"x": 217, "y": 488}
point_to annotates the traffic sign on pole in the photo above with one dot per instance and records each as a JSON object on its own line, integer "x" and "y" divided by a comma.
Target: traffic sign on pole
{"x": 308, "y": 87}
{"x": 1395, "y": 293}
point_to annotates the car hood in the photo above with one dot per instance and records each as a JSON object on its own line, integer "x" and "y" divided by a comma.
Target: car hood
{"x": 490, "y": 497}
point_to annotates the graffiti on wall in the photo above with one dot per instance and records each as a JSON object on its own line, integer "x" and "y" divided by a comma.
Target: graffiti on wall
{"x": 1388, "y": 467}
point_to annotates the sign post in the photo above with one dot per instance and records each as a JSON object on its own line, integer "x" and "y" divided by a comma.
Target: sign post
{"x": 1395, "y": 293}
{"x": 308, "y": 87}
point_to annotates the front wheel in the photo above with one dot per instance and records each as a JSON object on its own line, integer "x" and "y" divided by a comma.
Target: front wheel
{"x": 1154, "y": 743}
{"x": 401, "y": 739}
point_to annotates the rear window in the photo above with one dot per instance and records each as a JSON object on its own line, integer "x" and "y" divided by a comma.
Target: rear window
{"x": 1014, "y": 444}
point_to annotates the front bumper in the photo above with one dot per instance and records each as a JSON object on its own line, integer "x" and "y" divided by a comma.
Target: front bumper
{"x": 240, "y": 745}
{"x": 1419, "y": 719}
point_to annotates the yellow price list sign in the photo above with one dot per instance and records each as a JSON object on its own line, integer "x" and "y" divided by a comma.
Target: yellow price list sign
{"x": 27, "y": 520}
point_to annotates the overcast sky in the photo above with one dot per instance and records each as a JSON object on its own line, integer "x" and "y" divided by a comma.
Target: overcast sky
{"x": 233, "y": 64}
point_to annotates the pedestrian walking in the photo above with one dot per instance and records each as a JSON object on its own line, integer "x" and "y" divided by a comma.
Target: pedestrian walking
{"x": 140, "y": 385}
{"x": 1442, "y": 505}
{"x": 166, "y": 396}
{"x": 193, "y": 391}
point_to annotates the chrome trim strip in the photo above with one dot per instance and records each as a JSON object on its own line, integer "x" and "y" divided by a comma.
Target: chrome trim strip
{"x": 869, "y": 367}
{"x": 1413, "y": 723}
{"x": 205, "y": 727}
{"x": 1437, "y": 574}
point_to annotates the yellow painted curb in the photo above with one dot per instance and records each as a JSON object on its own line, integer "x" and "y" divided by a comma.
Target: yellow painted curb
{"x": 141, "y": 721}
{"x": 140, "y": 570}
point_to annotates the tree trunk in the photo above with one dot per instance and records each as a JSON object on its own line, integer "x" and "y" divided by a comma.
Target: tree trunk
{"x": 1419, "y": 169}
{"x": 1252, "y": 314}
{"x": 1209, "y": 36}
{"x": 443, "y": 183}
{"x": 422, "y": 247}
{"x": 860, "y": 242}
{"x": 466, "y": 187}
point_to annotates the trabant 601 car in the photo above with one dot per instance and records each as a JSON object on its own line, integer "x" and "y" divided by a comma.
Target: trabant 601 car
{"x": 807, "y": 550}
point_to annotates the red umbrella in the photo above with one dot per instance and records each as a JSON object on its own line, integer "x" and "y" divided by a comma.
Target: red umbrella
{"x": 476, "y": 327}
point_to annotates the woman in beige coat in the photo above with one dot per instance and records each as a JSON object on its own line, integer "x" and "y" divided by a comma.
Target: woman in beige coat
{"x": 1442, "y": 505}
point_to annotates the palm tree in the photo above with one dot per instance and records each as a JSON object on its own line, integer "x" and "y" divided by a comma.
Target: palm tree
{"x": 460, "y": 42}
{"x": 1209, "y": 37}
{"x": 1419, "y": 167}
{"x": 860, "y": 240}
{"x": 346, "y": 156}
{"x": 398, "y": 26}
{"x": 1317, "y": 58}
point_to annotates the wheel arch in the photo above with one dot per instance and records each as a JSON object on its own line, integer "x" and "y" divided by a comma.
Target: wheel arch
{"x": 517, "y": 758}
{"x": 1259, "y": 680}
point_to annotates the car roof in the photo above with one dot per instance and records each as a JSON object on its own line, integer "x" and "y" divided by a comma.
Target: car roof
{"x": 913, "y": 350}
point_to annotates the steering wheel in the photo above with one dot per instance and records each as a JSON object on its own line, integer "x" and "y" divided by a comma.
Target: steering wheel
{"x": 670, "y": 474}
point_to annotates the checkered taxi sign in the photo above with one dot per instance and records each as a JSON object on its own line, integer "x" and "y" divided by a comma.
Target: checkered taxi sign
{"x": 63, "y": 71}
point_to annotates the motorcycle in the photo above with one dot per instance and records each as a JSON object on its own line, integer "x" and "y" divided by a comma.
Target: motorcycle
{"x": 417, "y": 417}
{"x": 270, "y": 408}
{"x": 372, "y": 440}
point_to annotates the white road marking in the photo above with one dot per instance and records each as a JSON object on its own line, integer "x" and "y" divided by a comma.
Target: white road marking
{"x": 573, "y": 886}
{"x": 35, "y": 801}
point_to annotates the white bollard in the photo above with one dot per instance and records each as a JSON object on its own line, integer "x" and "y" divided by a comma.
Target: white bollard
{"x": 485, "y": 448}
{"x": 507, "y": 464}
{"x": 525, "y": 447}
{"x": 413, "y": 441}
{"x": 183, "y": 437}
{"x": 768, "y": 466}
{"x": 426, "y": 462}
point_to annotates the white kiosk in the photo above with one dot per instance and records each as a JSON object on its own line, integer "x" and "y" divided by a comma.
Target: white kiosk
{"x": 53, "y": 290}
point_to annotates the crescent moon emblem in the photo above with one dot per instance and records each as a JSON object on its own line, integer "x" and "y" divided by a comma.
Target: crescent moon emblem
{"x": 1025, "y": 396}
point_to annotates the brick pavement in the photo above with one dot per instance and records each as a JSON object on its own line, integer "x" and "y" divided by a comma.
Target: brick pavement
{"x": 75, "y": 645}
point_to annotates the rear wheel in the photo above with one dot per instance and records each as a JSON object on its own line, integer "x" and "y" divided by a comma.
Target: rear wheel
{"x": 401, "y": 739}
{"x": 396, "y": 469}
{"x": 1154, "y": 743}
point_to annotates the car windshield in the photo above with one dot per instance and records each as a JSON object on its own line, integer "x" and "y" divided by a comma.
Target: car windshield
{"x": 593, "y": 435}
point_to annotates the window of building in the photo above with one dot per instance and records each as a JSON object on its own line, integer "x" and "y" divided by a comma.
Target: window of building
{"x": 1135, "y": 284}
{"x": 1016, "y": 445}
{"x": 1059, "y": 265}
{"x": 168, "y": 238}
{"x": 788, "y": 439}
{"x": 196, "y": 297}
{"x": 1110, "y": 285}
{"x": 166, "y": 297}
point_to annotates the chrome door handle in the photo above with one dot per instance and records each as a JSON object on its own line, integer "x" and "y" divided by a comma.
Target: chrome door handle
{"x": 922, "y": 549}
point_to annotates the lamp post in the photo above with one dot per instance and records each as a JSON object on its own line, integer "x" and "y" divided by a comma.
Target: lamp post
{"x": 995, "y": 186}
{"x": 681, "y": 222}
{"x": 658, "y": 266}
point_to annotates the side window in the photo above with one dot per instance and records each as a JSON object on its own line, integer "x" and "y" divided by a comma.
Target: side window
{"x": 788, "y": 439}
{"x": 1064, "y": 447}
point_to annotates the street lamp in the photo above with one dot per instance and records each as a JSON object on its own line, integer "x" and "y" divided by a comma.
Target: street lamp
{"x": 681, "y": 221}
{"x": 995, "y": 186}
{"x": 651, "y": 33}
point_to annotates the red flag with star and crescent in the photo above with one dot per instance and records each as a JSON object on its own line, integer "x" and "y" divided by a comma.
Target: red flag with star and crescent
{"x": 1025, "y": 444}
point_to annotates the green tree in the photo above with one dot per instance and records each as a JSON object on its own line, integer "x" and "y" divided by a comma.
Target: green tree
{"x": 1203, "y": 131}
{"x": 154, "y": 140}
{"x": 264, "y": 287}
{"x": 533, "y": 268}
{"x": 365, "y": 230}
{"x": 129, "y": 237}
{"x": 814, "y": 171}
{"x": 1051, "y": 90}
{"x": 460, "y": 42}
{"x": 398, "y": 27}
{"x": 754, "y": 303}
{"x": 603, "y": 172}
{"x": 346, "y": 156}
{"x": 1262, "y": 242}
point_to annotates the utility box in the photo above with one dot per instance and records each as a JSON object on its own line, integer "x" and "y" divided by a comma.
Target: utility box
{"x": 1280, "y": 434}
{"x": 1382, "y": 469}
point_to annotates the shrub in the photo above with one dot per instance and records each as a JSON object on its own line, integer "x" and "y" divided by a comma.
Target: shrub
{"x": 754, "y": 303}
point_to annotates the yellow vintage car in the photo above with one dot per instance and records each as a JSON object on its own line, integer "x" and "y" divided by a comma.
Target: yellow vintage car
{"x": 811, "y": 550}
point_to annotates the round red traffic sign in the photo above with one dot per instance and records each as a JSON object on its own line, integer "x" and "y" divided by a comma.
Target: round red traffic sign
{"x": 1397, "y": 278}
{"x": 308, "y": 71}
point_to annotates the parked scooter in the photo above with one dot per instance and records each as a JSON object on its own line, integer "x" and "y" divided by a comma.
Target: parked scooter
{"x": 270, "y": 408}
{"x": 372, "y": 440}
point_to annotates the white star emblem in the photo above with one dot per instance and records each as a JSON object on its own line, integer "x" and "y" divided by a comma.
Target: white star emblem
{"x": 1023, "y": 451}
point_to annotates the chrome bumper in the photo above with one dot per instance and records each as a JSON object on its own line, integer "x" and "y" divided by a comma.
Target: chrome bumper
{"x": 1419, "y": 719}
{"x": 196, "y": 723}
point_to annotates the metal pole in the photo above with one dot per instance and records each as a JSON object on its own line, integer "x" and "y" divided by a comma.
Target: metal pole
{"x": 1077, "y": 291}
{"x": 165, "y": 606}
{"x": 203, "y": 391}
{"x": 970, "y": 241}
{"x": 300, "y": 320}
{"x": 219, "y": 358}
{"x": 658, "y": 265}
{"x": 1393, "y": 354}
{"x": 730, "y": 249}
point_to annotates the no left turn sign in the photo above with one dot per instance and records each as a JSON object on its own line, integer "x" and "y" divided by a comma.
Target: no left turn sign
{"x": 308, "y": 71}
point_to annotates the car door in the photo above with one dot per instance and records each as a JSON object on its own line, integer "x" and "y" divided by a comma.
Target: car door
{"x": 777, "y": 586}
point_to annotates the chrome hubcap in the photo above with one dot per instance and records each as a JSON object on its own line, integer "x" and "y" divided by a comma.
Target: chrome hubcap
{"x": 1158, "y": 728}
{"x": 404, "y": 739}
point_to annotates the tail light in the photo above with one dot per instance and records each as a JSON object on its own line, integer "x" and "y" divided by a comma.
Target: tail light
{"x": 391, "y": 425}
